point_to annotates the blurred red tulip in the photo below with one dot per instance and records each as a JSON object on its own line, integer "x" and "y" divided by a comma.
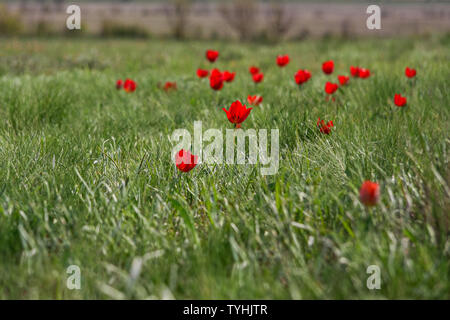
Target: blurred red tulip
{"x": 363, "y": 73}
{"x": 129, "y": 85}
{"x": 237, "y": 113}
{"x": 399, "y": 100}
{"x": 343, "y": 80}
{"x": 170, "y": 86}
{"x": 216, "y": 79}
{"x": 212, "y": 55}
{"x": 282, "y": 60}
{"x": 119, "y": 84}
{"x": 185, "y": 161}
{"x": 330, "y": 88}
{"x": 369, "y": 193}
{"x": 302, "y": 76}
{"x": 253, "y": 70}
{"x": 354, "y": 71}
{"x": 228, "y": 76}
{"x": 410, "y": 73}
{"x": 258, "y": 77}
{"x": 325, "y": 128}
{"x": 328, "y": 67}
{"x": 202, "y": 73}
{"x": 254, "y": 100}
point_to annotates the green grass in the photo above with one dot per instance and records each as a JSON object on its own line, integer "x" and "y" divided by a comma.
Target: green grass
{"x": 86, "y": 176}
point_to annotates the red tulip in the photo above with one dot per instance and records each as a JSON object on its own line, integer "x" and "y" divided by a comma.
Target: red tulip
{"x": 258, "y": 77}
{"x": 253, "y": 70}
{"x": 410, "y": 73}
{"x": 119, "y": 84}
{"x": 369, "y": 193}
{"x": 254, "y": 100}
{"x": 129, "y": 85}
{"x": 330, "y": 88}
{"x": 354, "y": 71}
{"x": 228, "y": 76}
{"x": 216, "y": 79}
{"x": 282, "y": 60}
{"x": 328, "y": 67}
{"x": 325, "y": 128}
{"x": 302, "y": 76}
{"x": 202, "y": 73}
{"x": 170, "y": 86}
{"x": 363, "y": 73}
{"x": 399, "y": 100}
{"x": 237, "y": 113}
{"x": 185, "y": 161}
{"x": 343, "y": 80}
{"x": 212, "y": 55}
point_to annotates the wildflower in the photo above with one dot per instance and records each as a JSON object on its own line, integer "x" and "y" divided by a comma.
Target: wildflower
{"x": 399, "y": 100}
{"x": 282, "y": 60}
{"x": 302, "y": 76}
{"x": 185, "y": 161}
{"x": 325, "y": 128}
{"x": 212, "y": 55}
{"x": 369, "y": 193}
{"x": 328, "y": 67}
{"x": 254, "y": 100}
{"x": 237, "y": 113}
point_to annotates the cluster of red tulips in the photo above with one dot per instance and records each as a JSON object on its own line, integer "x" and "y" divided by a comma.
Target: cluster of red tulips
{"x": 256, "y": 74}
{"x": 216, "y": 77}
{"x": 238, "y": 112}
{"x": 331, "y": 87}
{"x": 128, "y": 85}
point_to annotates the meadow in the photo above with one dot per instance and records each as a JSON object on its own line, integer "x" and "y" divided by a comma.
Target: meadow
{"x": 86, "y": 176}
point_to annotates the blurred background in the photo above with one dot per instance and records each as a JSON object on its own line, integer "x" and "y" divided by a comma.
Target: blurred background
{"x": 213, "y": 20}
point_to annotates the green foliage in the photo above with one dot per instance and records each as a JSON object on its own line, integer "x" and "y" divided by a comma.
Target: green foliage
{"x": 86, "y": 175}
{"x": 10, "y": 24}
{"x": 115, "y": 29}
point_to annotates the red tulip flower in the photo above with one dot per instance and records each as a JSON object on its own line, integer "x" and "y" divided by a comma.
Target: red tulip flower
{"x": 228, "y": 76}
{"x": 328, "y": 67}
{"x": 399, "y": 100}
{"x": 282, "y": 60}
{"x": 354, "y": 71}
{"x": 212, "y": 55}
{"x": 185, "y": 161}
{"x": 202, "y": 73}
{"x": 216, "y": 79}
{"x": 343, "y": 80}
{"x": 129, "y": 85}
{"x": 237, "y": 113}
{"x": 253, "y": 70}
{"x": 330, "y": 88}
{"x": 302, "y": 76}
{"x": 254, "y": 100}
{"x": 363, "y": 73}
{"x": 258, "y": 77}
{"x": 410, "y": 73}
{"x": 369, "y": 193}
{"x": 170, "y": 86}
{"x": 119, "y": 84}
{"x": 325, "y": 128}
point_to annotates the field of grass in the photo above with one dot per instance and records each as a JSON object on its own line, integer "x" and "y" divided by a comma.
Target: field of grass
{"x": 86, "y": 176}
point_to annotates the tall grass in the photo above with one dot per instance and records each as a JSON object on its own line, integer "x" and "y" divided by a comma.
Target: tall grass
{"x": 86, "y": 176}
